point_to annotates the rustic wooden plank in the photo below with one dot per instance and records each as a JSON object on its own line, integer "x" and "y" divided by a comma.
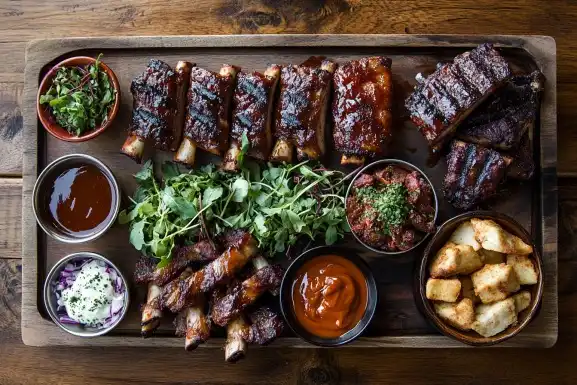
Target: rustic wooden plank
{"x": 11, "y": 127}
{"x": 10, "y": 298}
{"x": 427, "y": 51}
{"x": 11, "y": 218}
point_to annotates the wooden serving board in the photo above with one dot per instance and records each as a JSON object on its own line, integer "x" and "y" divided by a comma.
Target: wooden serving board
{"x": 398, "y": 322}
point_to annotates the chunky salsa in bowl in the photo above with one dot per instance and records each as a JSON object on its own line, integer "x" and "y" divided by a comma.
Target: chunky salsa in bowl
{"x": 391, "y": 206}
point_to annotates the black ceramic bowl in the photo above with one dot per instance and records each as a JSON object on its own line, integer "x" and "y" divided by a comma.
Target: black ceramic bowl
{"x": 287, "y": 289}
{"x": 408, "y": 167}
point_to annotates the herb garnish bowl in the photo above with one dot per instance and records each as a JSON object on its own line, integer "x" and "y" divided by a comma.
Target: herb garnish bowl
{"x": 408, "y": 167}
{"x": 45, "y": 113}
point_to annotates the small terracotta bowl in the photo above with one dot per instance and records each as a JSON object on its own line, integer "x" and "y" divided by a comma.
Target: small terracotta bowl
{"x": 45, "y": 114}
{"x": 439, "y": 239}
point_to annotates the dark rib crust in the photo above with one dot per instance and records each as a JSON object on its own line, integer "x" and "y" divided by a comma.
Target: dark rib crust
{"x": 502, "y": 120}
{"x": 362, "y": 106}
{"x": 266, "y": 325}
{"x": 251, "y": 101}
{"x": 208, "y": 106}
{"x": 303, "y": 94}
{"x": 473, "y": 174}
{"x": 155, "y": 108}
{"x": 440, "y": 102}
{"x": 246, "y": 293}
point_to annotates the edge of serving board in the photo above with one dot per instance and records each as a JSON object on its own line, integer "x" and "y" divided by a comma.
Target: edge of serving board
{"x": 542, "y": 332}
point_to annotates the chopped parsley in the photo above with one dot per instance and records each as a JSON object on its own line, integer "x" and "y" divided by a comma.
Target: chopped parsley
{"x": 389, "y": 203}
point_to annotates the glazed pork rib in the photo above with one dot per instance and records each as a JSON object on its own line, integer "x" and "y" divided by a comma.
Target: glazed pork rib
{"x": 504, "y": 118}
{"x": 253, "y": 101}
{"x": 146, "y": 270}
{"x": 179, "y": 294}
{"x": 207, "y": 113}
{"x": 473, "y": 174}
{"x": 240, "y": 296}
{"x": 151, "y": 311}
{"x": 446, "y": 97}
{"x": 158, "y": 108}
{"x": 301, "y": 110}
{"x": 362, "y": 108}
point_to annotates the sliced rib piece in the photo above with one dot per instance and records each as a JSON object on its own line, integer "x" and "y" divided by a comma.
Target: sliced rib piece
{"x": 207, "y": 113}
{"x": 507, "y": 115}
{"x": 235, "y": 346}
{"x": 146, "y": 270}
{"x": 362, "y": 108}
{"x": 266, "y": 326}
{"x": 253, "y": 101}
{"x": 446, "y": 97}
{"x": 473, "y": 174}
{"x": 301, "y": 110}
{"x": 158, "y": 108}
{"x": 179, "y": 294}
{"x": 151, "y": 311}
{"x": 523, "y": 165}
{"x": 194, "y": 325}
{"x": 246, "y": 293}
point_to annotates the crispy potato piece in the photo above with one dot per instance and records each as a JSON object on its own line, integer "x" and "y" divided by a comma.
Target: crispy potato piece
{"x": 493, "y": 237}
{"x": 446, "y": 290}
{"x": 465, "y": 235}
{"x": 455, "y": 259}
{"x": 522, "y": 300}
{"x": 494, "y": 318}
{"x": 467, "y": 289}
{"x": 460, "y": 315}
{"x": 524, "y": 268}
{"x": 495, "y": 282}
{"x": 491, "y": 257}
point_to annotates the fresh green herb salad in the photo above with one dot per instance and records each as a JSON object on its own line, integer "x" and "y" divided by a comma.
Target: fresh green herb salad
{"x": 277, "y": 204}
{"x": 80, "y": 98}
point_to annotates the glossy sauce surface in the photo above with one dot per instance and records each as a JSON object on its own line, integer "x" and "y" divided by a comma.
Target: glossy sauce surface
{"x": 329, "y": 296}
{"x": 80, "y": 199}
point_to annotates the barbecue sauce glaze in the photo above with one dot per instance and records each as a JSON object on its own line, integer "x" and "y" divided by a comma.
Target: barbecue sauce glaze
{"x": 80, "y": 199}
{"x": 329, "y": 296}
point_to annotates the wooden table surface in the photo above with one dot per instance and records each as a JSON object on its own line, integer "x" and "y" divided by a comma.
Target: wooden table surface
{"x": 23, "y": 20}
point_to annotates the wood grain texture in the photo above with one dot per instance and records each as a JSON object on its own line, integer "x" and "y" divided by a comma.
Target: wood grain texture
{"x": 11, "y": 214}
{"x": 398, "y": 321}
{"x": 24, "y": 20}
{"x": 25, "y": 365}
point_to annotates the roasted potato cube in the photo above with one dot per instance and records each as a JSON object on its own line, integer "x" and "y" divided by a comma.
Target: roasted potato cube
{"x": 465, "y": 235}
{"x": 460, "y": 315}
{"x": 494, "y": 318}
{"x": 467, "y": 289}
{"x": 446, "y": 290}
{"x": 495, "y": 282}
{"x": 522, "y": 300}
{"x": 493, "y": 237}
{"x": 455, "y": 259}
{"x": 524, "y": 268}
{"x": 490, "y": 257}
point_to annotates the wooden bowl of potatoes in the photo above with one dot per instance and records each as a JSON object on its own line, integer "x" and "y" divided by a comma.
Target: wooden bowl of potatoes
{"x": 480, "y": 280}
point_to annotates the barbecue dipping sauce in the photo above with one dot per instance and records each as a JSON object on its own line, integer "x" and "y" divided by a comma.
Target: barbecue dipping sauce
{"x": 80, "y": 199}
{"x": 329, "y": 296}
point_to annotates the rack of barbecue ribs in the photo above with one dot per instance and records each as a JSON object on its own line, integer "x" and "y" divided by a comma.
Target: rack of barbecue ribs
{"x": 473, "y": 174}
{"x": 158, "y": 108}
{"x": 362, "y": 108}
{"x": 446, "y": 97}
{"x": 253, "y": 101}
{"x": 207, "y": 113}
{"x": 301, "y": 110}
{"x": 502, "y": 121}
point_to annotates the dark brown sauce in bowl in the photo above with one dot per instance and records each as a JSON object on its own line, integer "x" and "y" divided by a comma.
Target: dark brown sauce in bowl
{"x": 76, "y": 198}
{"x": 80, "y": 200}
{"x": 329, "y": 296}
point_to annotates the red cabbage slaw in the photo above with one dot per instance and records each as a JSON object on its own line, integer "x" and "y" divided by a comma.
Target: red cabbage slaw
{"x": 66, "y": 280}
